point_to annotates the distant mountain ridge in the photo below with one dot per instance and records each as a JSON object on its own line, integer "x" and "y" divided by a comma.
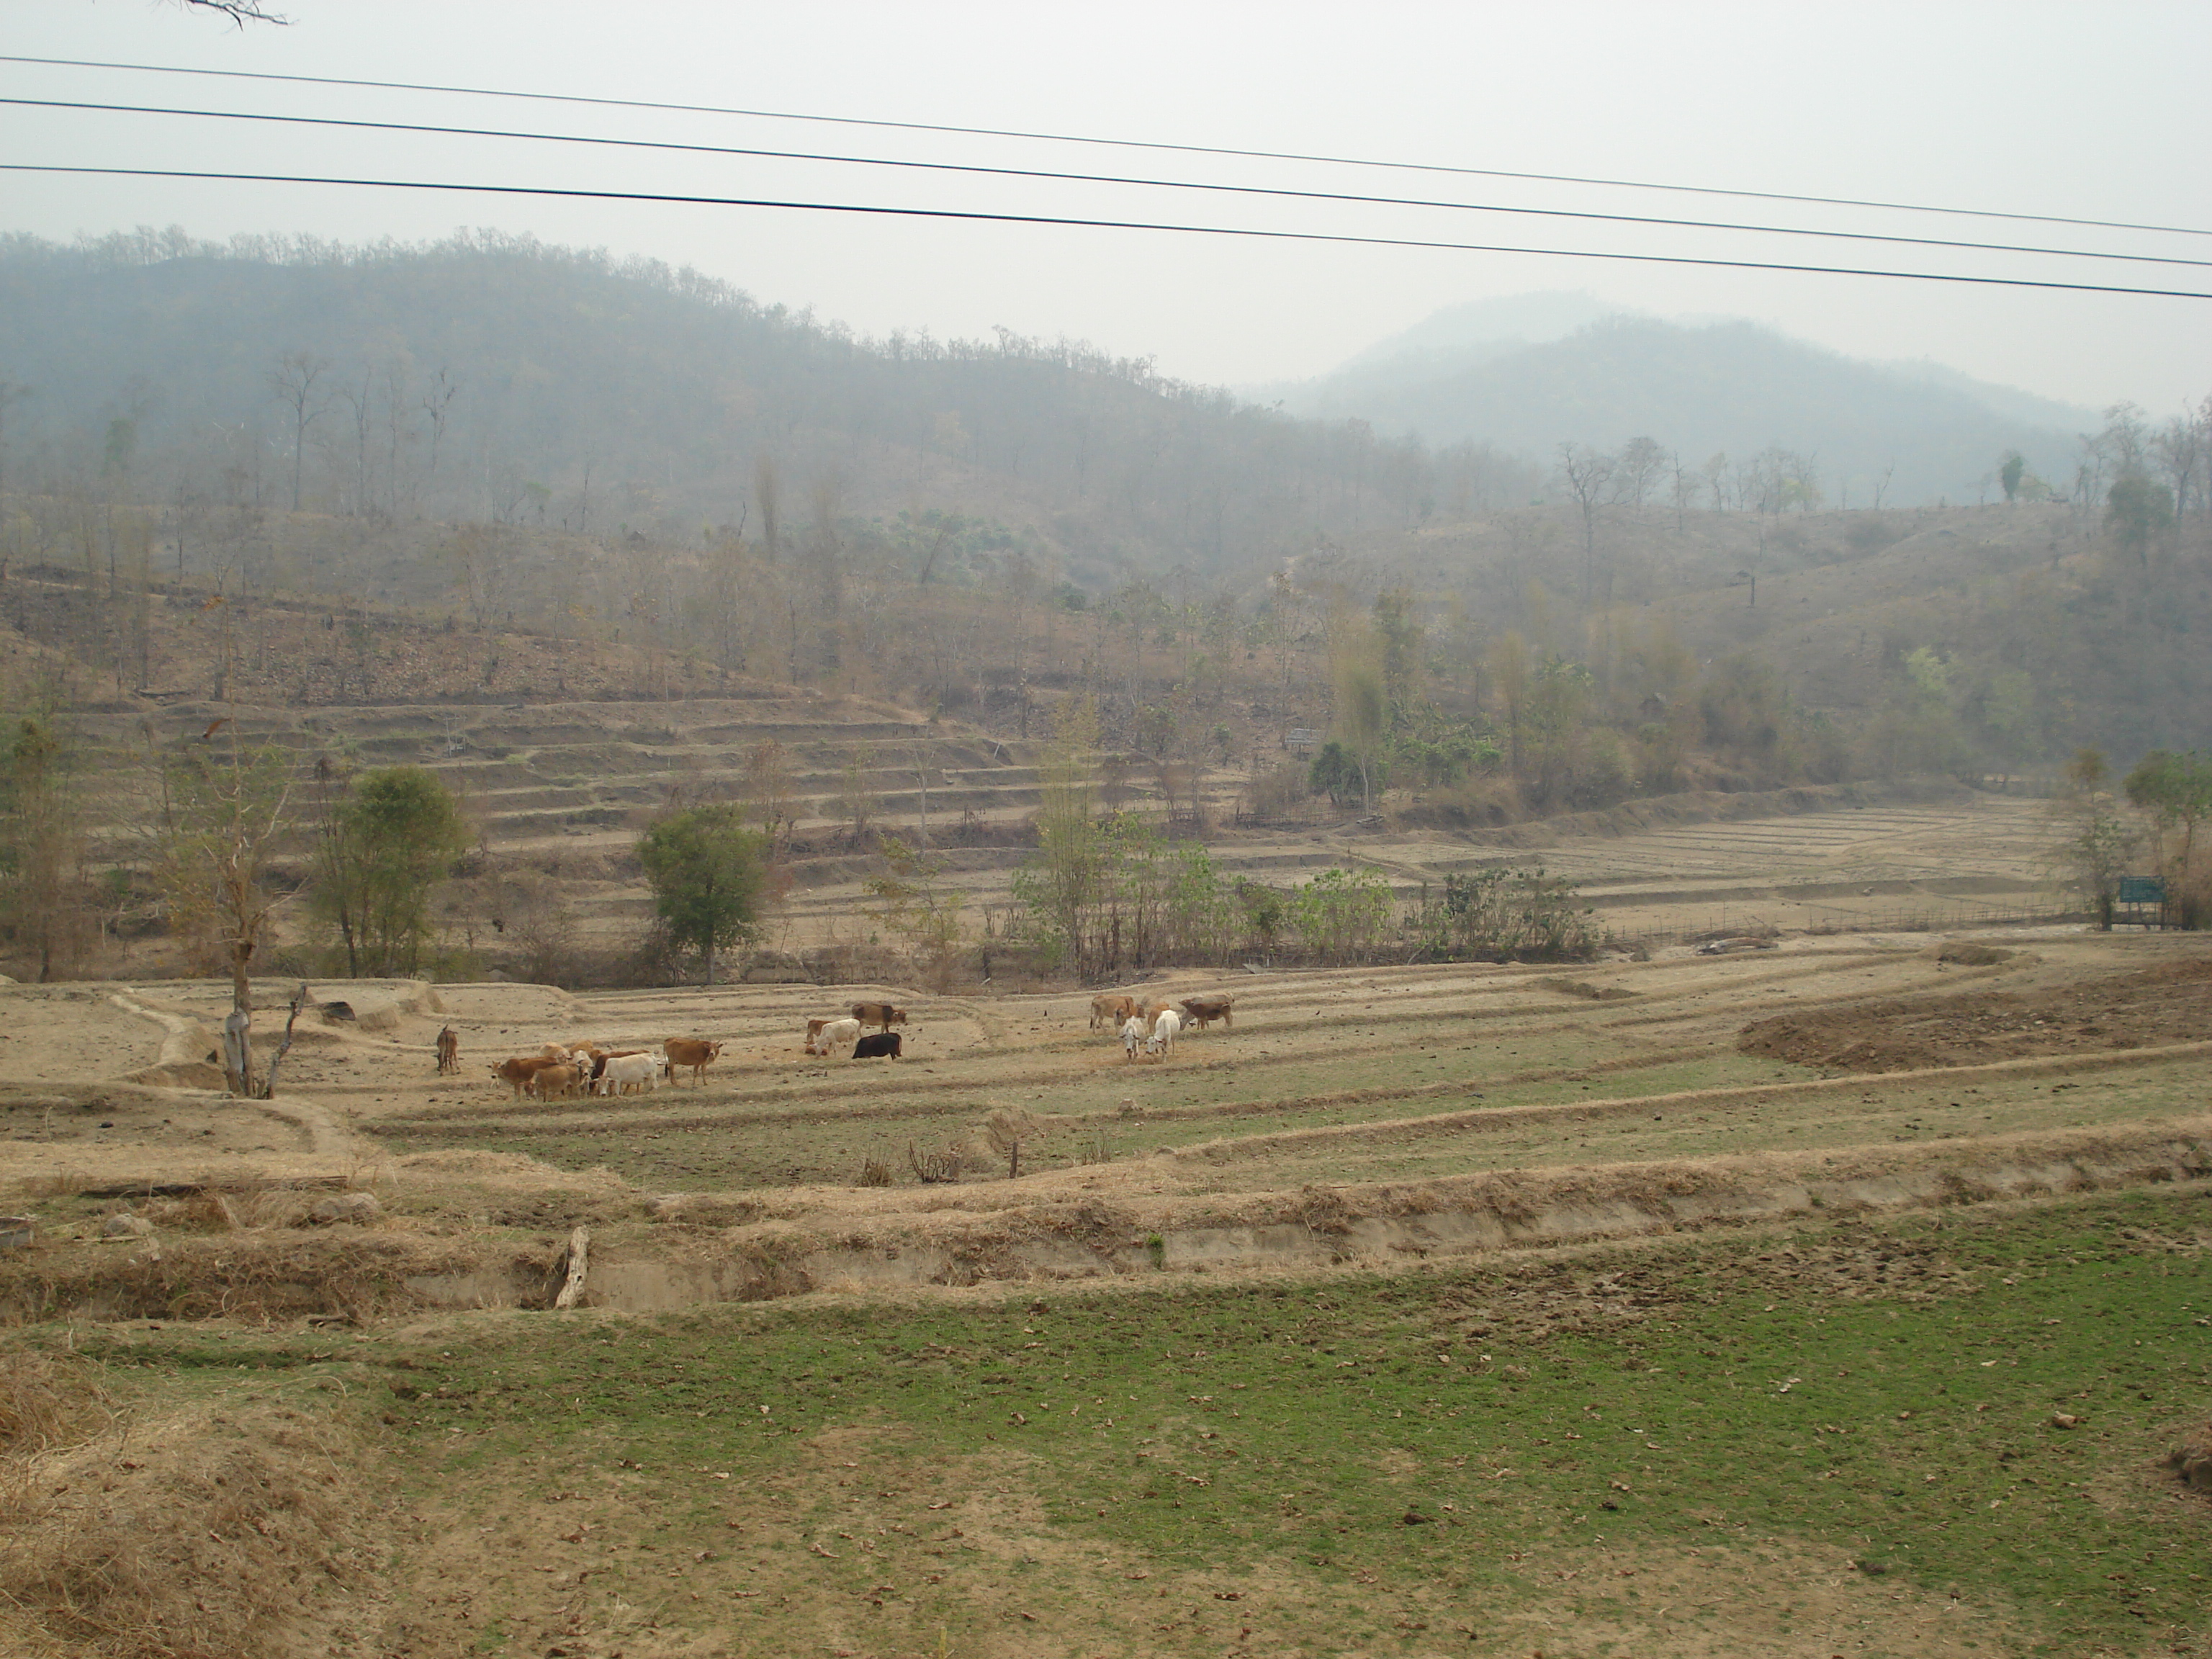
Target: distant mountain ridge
{"x": 1528, "y": 373}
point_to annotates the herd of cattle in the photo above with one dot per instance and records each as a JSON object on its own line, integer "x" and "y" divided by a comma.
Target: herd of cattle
{"x": 1151, "y": 1024}
{"x": 568, "y": 1069}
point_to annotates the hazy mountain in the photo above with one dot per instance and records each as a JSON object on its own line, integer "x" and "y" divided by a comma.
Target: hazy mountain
{"x": 1528, "y": 373}
{"x": 499, "y": 378}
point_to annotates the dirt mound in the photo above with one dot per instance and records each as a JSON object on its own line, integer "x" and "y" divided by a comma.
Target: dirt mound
{"x": 244, "y": 1531}
{"x": 2171, "y": 1003}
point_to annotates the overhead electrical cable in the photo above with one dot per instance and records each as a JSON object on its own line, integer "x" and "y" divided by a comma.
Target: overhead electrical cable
{"x": 1202, "y": 186}
{"x": 973, "y": 216}
{"x": 1120, "y": 144}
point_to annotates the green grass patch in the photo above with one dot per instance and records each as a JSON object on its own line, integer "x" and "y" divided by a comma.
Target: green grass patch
{"x": 1883, "y": 1395}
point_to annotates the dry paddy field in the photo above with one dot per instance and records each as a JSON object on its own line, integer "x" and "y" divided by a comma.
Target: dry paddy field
{"x": 1840, "y": 1298}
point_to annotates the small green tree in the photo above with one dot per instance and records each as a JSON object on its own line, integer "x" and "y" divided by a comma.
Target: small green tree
{"x": 2096, "y": 842}
{"x": 709, "y": 874}
{"x": 2010, "y": 471}
{"x": 1340, "y": 914}
{"x": 1357, "y": 674}
{"x": 44, "y": 896}
{"x": 913, "y": 902}
{"x": 1059, "y": 892}
{"x": 2176, "y": 790}
{"x": 385, "y": 843}
{"x": 2137, "y": 509}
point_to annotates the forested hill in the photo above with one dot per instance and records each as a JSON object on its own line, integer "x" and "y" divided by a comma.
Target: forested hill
{"x": 501, "y": 379}
{"x": 1728, "y": 388}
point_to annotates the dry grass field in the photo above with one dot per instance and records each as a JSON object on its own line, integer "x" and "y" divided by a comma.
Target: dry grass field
{"x": 1840, "y": 1297}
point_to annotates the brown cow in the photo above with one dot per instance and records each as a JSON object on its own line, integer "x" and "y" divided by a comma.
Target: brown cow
{"x": 880, "y": 1014}
{"x": 561, "y": 1078}
{"x": 1202, "y": 1011}
{"x": 1109, "y": 1008}
{"x": 518, "y": 1071}
{"x": 696, "y": 1052}
{"x": 814, "y": 1029}
{"x": 449, "y": 1051}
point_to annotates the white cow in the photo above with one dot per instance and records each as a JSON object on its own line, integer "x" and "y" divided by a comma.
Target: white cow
{"x": 1164, "y": 1031}
{"x": 837, "y": 1033}
{"x": 1133, "y": 1036}
{"x": 621, "y": 1071}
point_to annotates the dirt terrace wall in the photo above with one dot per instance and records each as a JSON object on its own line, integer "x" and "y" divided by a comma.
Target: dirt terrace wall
{"x": 352, "y": 1273}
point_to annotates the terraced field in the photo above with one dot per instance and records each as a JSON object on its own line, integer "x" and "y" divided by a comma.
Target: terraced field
{"x": 1840, "y": 1297}
{"x": 571, "y": 783}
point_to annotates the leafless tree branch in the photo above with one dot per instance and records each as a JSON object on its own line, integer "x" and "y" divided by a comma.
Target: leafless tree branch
{"x": 240, "y": 12}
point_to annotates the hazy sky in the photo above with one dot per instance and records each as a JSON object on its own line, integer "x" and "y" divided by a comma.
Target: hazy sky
{"x": 2092, "y": 110}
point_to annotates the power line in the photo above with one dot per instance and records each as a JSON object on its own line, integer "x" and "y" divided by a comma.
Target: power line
{"x": 979, "y": 217}
{"x": 1096, "y": 179}
{"x": 1119, "y": 144}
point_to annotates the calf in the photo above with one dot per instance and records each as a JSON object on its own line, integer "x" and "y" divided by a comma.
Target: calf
{"x": 619, "y": 1073}
{"x": 877, "y": 1045}
{"x": 1202, "y": 1011}
{"x": 518, "y": 1071}
{"x": 1164, "y": 1031}
{"x": 1133, "y": 1036}
{"x": 696, "y": 1052}
{"x": 814, "y": 1029}
{"x": 558, "y": 1078}
{"x": 449, "y": 1051}
{"x": 837, "y": 1032}
{"x": 881, "y": 1015}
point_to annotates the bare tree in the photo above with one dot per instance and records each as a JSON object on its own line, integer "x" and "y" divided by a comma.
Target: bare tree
{"x": 1640, "y": 462}
{"x": 438, "y": 407}
{"x": 357, "y": 399}
{"x": 1590, "y": 477}
{"x": 11, "y": 393}
{"x": 294, "y": 381}
{"x": 224, "y": 807}
{"x": 768, "y": 491}
{"x": 1686, "y": 483}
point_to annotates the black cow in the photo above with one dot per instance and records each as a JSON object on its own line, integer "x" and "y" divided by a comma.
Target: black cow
{"x": 876, "y": 1044}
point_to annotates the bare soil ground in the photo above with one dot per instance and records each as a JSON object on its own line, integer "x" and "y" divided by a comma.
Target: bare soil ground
{"x": 2171, "y": 1003}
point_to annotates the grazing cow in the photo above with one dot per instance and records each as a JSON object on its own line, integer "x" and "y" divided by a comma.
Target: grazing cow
{"x": 1202, "y": 1011}
{"x": 618, "y": 1073}
{"x": 1109, "y": 1008}
{"x": 878, "y": 1045}
{"x": 556, "y": 1051}
{"x": 1133, "y": 1036}
{"x": 518, "y": 1071}
{"x": 1164, "y": 1031}
{"x": 601, "y": 1058}
{"x": 881, "y": 1015}
{"x": 696, "y": 1052}
{"x": 449, "y": 1051}
{"x": 835, "y": 1034}
{"x": 814, "y": 1029}
{"x": 560, "y": 1078}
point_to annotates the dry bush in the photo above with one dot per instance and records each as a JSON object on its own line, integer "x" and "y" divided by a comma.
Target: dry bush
{"x": 1007, "y": 1132}
{"x": 932, "y": 1167}
{"x": 213, "y": 1536}
{"x": 46, "y": 1402}
{"x": 875, "y": 1172}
